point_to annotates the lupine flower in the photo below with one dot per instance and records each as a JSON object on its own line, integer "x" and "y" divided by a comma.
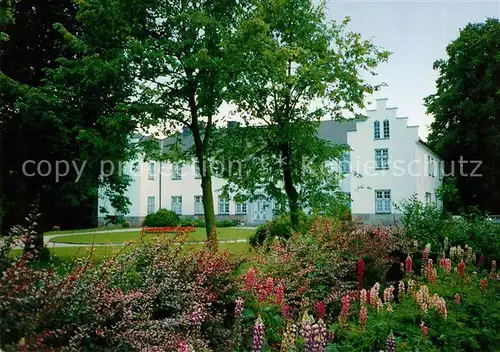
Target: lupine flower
{"x": 483, "y": 284}
{"x": 238, "y": 310}
{"x": 289, "y": 337}
{"x": 183, "y": 347}
{"x": 362, "y": 296}
{"x": 493, "y": 272}
{"x": 469, "y": 255}
{"x": 425, "y": 257}
{"x": 389, "y": 297}
{"x": 445, "y": 263}
{"x": 361, "y": 273}
{"x": 457, "y": 298}
{"x": 411, "y": 285}
{"x": 316, "y": 337}
{"x": 285, "y": 311}
{"x": 258, "y": 335}
{"x": 453, "y": 253}
{"x": 432, "y": 276}
{"x": 305, "y": 324}
{"x": 374, "y": 294}
{"x": 422, "y": 298}
{"x": 280, "y": 293}
{"x": 269, "y": 285}
{"x": 408, "y": 264}
{"x": 424, "y": 329}
{"x": 250, "y": 279}
{"x": 344, "y": 310}
{"x": 363, "y": 315}
{"x": 262, "y": 292}
{"x": 390, "y": 344}
{"x": 320, "y": 310}
{"x": 401, "y": 289}
{"x": 461, "y": 268}
{"x": 439, "y": 304}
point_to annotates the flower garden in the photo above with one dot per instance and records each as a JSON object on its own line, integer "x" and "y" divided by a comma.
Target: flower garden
{"x": 339, "y": 286}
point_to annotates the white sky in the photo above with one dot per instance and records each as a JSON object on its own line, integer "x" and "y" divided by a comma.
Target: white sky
{"x": 417, "y": 33}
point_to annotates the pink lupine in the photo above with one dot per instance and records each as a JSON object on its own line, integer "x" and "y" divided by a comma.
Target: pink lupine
{"x": 262, "y": 292}
{"x": 269, "y": 284}
{"x": 363, "y": 296}
{"x": 461, "y": 268}
{"x": 424, "y": 329}
{"x": 285, "y": 311}
{"x": 320, "y": 310}
{"x": 425, "y": 257}
{"x": 250, "y": 279}
{"x": 457, "y": 299}
{"x": 401, "y": 288}
{"x": 408, "y": 264}
{"x": 258, "y": 335}
{"x": 374, "y": 294}
{"x": 361, "y": 273}
{"x": 279, "y": 294}
{"x": 445, "y": 263}
{"x": 238, "y": 309}
{"x": 389, "y": 297}
{"x": 483, "y": 284}
{"x": 344, "y": 310}
{"x": 363, "y": 315}
{"x": 183, "y": 347}
{"x": 422, "y": 298}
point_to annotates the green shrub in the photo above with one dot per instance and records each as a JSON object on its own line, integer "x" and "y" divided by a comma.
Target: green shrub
{"x": 162, "y": 218}
{"x": 226, "y": 223}
{"x": 125, "y": 225}
{"x": 192, "y": 222}
{"x": 280, "y": 228}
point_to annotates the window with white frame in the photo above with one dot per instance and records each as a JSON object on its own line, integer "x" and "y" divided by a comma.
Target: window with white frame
{"x": 376, "y": 130}
{"x": 241, "y": 207}
{"x": 151, "y": 205}
{"x": 429, "y": 166}
{"x": 383, "y": 201}
{"x": 177, "y": 204}
{"x": 198, "y": 205}
{"x": 176, "y": 171}
{"x": 433, "y": 167}
{"x": 151, "y": 171}
{"x": 386, "y": 129}
{"x": 223, "y": 205}
{"x": 197, "y": 173}
{"x": 428, "y": 197}
{"x": 345, "y": 164}
{"x": 381, "y": 159}
{"x": 440, "y": 170}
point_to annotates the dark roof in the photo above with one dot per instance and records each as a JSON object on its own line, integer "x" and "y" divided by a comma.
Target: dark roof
{"x": 426, "y": 145}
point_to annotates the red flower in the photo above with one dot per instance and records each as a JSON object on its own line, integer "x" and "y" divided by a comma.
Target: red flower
{"x": 280, "y": 293}
{"x": 320, "y": 310}
{"x": 361, "y": 273}
{"x": 461, "y": 268}
{"x": 483, "y": 284}
{"x": 250, "y": 279}
{"x": 408, "y": 264}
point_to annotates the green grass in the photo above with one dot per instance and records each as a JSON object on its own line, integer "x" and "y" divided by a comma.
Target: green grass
{"x": 96, "y": 229}
{"x": 68, "y": 254}
{"x": 224, "y": 233}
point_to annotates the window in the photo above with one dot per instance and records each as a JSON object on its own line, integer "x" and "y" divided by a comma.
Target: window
{"x": 223, "y": 205}
{"x": 177, "y": 204}
{"x": 176, "y": 171}
{"x": 440, "y": 170}
{"x": 151, "y": 205}
{"x": 241, "y": 207}
{"x": 433, "y": 167}
{"x": 198, "y": 205}
{"x": 197, "y": 173}
{"x": 376, "y": 130}
{"x": 386, "y": 129}
{"x": 428, "y": 197}
{"x": 151, "y": 171}
{"x": 429, "y": 164}
{"x": 382, "y": 201}
{"x": 381, "y": 159}
{"x": 346, "y": 162}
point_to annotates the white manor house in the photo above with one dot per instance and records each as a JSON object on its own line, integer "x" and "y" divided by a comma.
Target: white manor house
{"x": 387, "y": 163}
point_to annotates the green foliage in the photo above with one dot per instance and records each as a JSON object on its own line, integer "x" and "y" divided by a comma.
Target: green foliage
{"x": 464, "y": 109}
{"x": 427, "y": 224}
{"x": 226, "y": 223}
{"x": 294, "y": 57}
{"x": 162, "y": 218}
{"x": 279, "y": 228}
{"x": 192, "y": 222}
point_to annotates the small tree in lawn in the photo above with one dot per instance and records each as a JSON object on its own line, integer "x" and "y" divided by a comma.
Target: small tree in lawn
{"x": 298, "y": 69}
{"x": 184, "y": 71}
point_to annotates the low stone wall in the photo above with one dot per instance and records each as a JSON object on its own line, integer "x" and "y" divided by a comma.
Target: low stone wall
{"x": 378, "y": 219}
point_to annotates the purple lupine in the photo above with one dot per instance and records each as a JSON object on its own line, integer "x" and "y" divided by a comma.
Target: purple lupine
{"x": 238, "y": 309}
{"x": 258, "y": 335}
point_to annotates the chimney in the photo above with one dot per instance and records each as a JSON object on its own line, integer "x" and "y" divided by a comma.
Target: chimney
{"x": 381, "y": 103}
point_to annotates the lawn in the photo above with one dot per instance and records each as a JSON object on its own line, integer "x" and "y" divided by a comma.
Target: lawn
{"x": 96, "y": 229}
{"x": 67, "y": 254}
{"x": 223, "y": 234}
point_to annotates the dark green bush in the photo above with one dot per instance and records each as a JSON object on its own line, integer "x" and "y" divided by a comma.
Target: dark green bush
{"x": 192, "y": 222}
{"x": 161, "y": 218}
{"x": 226, "y": 223}
{"x": 279, "y": 228}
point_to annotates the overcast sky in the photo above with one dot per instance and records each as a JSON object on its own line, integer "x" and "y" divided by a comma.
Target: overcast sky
{"x": 417, "y": 33}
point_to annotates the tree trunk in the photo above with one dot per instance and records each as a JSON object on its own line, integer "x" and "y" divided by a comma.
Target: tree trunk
{"x": 208, "y": 207}
{"x": 290, "y": 190}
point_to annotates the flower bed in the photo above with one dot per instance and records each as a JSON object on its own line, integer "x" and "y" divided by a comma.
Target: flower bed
{"x": 169, "y": 229}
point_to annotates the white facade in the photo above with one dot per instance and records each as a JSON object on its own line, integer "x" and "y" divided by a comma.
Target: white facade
{"x": 384, "y": 168}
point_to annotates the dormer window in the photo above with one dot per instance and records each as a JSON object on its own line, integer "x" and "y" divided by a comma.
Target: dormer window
{"x": 386, "y": 129}
{"x": 376, "y": 130}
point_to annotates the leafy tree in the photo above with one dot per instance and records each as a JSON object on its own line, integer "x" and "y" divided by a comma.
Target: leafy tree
{"x": 298, "y": 69}
{"x": 184, "y": 70}
{"x": 466, "y": 110}
{"x": 65, "y": 82}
